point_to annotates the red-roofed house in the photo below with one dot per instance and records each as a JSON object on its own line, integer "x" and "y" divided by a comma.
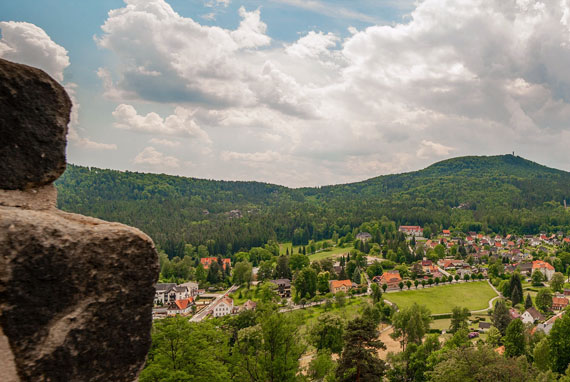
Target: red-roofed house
{"x": 340, "y": 286}
{"x": 390, "y": 278}
{"x": 180, "y": 306}
{"x": 541, "y": 266}
{"x": 559, "y": 303}
{"x": 206, "y": 261}
{"x": 446, "y": 232}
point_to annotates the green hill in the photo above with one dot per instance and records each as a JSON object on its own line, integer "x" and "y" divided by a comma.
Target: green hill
{"x": 496, "y": 193}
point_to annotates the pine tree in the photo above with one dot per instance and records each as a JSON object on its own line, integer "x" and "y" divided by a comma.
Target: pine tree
{"x": 501, "y": 317}
{"x": 342, "y": 275}
{"x": 359, "y": 360}
{"x": 528, "y": 302}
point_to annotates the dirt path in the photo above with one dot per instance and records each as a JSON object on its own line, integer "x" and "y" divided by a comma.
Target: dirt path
{"x": 391, "y": 344}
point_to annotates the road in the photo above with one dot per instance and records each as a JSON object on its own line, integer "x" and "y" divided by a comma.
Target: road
{"x": 204, "y": 312}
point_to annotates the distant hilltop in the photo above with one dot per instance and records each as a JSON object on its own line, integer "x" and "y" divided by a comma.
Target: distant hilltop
{"x": 489, "y": 193}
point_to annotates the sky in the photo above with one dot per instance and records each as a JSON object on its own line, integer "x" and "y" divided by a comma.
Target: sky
{"x": 301, "y": 92}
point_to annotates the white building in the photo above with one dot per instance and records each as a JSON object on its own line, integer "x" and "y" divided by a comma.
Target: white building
{"x": 224, "y": 307}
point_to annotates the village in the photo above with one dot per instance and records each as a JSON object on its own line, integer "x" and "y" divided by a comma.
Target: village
{"x": 450, "y": 258}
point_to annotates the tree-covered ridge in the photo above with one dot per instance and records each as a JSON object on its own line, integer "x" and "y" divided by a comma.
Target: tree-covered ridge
{"x": 492, "y": 194}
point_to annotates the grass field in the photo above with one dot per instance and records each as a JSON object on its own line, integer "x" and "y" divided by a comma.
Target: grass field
{"x": 333, "y": 251}
{"x": 441, "y": 299}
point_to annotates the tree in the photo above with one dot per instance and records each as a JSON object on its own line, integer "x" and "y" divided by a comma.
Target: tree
{"x": 340, "y": 298}
{"x": 268, "y": 351}
{"x": 282, "y": 270}
{"x": 342, "y": 274}
{"x": 537, "y": 278}
{"x": 459, "y": 318}
{"x": 242, "y": 273}
{"x": 356, "y": 277}
{"x": 544, "y": 299}
{"x": 298, "y": 262}
{"x": 323, "y": 282}
{"x": 384, "y": 287}
{"x": 328, "y": 333}
{"x": 214, "y": 273}
{"x": 306, "y": 282}
{"x": 514, "y": 339}
{"x": 408, "y": 284}
{"x": 515, "y": 289}
{"x": 322, "y": 367}
{"x": 493, "y": 337}
{"x": 401, "y": 285}
{"x": 423, "y": 283}
{"x": 376, "y": 294}
{"x": 457, "y": 277}
{"x": 557, "y": 282}
{"x": 359, "y": 360}
{"x": 479, "y": 364}
{"x": 541, "y": 355}
{"x": 528, "y": 301}
{"x": 501, "y": 317}
{"x": 265, "y": 271}
{"x": 175, "y": 343}
{"x": 416, "y": 283}
{"x": 559, "y": 340}
{"x": 411, "y": 324}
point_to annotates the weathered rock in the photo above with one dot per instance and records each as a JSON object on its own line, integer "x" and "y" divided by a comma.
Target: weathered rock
{"x": 34, "y": 113}
{"x": 75, "y": 296}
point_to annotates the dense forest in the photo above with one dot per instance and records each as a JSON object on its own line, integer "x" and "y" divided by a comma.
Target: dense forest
{"x": 490, "y": 194}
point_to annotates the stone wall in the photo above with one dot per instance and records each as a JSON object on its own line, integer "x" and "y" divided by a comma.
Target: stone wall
{"x": 75, "y": 292}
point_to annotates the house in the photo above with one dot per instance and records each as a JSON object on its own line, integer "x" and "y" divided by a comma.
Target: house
{"x": 223, "y": 307}
{"x": 566, "y": 292}
{"x": 206, "y": 261}
{"x": 416, "y": 268}
{"x": 340, "y": 286}
{"x": 531, "y": 315}
{"x": 283, "y": 287}
{"x": 192, "y": 288}
{"x": 559, "y": 303}
{"x": 183, "y": 306}
{"x": 446, "y": 232}
{"x": 546, "y": 326}
{"x": 525, "y": 268}
{"x": 484, "y": 325}
{"x": 249, "y": 305}
{"x": 390, "y": 278}
{"x": 546, "y": 269}
{"x": 450, "y": 264}
{"x": 411, "y": 230}
{"x": 363, "y": 236}
{"x": 169, "y": 292}
{"x": 514, "y": 314}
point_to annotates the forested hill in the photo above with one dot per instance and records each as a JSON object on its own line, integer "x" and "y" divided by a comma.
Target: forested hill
{"x": 495, "y": 193}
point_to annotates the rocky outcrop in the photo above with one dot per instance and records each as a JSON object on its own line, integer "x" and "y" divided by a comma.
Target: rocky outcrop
{"x": 75, "y": 292}
{"x": 34, "y": 113}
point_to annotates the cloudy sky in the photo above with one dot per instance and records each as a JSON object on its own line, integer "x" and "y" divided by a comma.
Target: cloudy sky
{"x": 301, "y": 92}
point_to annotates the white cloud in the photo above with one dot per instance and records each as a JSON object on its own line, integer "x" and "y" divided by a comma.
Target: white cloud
{"x": 431, "y": 149}
{"x": 264, "y": 157}
{"x": 165, "y": 142}
{"x": 458, "y": 77}
{"x": 313, "y": 45}
{"x": 329, "y": 10}
{"x": 180, "y": 124}
{"x": 156, "y": 160}
{"x": 214, "y": 3}
{"x": 86, "y": 143}
{"x": 29, "y": 44}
